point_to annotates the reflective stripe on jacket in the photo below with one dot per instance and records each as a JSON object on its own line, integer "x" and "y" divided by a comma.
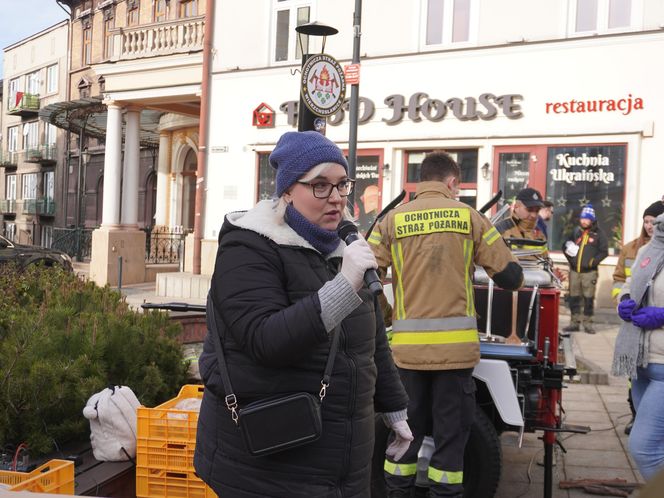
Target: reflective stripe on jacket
{"x": 433, "y": 244}
{"x": 511, "y": 228}
{"x": 624, "y": 264}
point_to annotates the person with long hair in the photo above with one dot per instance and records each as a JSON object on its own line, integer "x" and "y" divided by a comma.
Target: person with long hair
{"x": 639, "y": 351}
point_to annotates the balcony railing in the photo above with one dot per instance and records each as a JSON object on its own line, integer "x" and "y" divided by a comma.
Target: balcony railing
{"x": 46, "y": 206}
{"x": 41, "y": 154}
{"x": 24, "y": 104}
{"x": 8, "y": 159}
{"x": 7, "y": 206}
{"x": 164, "y": 38}
{"x": 29, "y": 206}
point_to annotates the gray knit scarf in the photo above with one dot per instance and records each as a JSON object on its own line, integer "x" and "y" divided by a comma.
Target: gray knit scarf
{"x": 632, "y": 343}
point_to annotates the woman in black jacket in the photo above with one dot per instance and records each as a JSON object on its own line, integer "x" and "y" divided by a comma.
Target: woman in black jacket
{"x": 280, "y": 288}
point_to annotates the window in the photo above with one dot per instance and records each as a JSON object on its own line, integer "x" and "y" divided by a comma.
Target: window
{"x": 266, "y": 177}
{"x": 450, "y": 21}
{"x": 109, "y": 24}
{"x": 47, "y": 235}
{"x": 132, "y": 13}
{"x": 14, "y": 93}
{"x": 33, "y": 81}
{"x": 159, "y": 10}
{"x": 87, "y": 45}
{"x": 188, "y": 8}
{"x": 368, "y": 188}
{"x": 290, "y": 13}
{"x": 10, "y": 188}
{"x": 10, "y": 231}
{"x": 12, "y": 139}
{"x": 50, "y": 134}
{"x": 465, "y": 158}
{"x": 31, "y": 134}
{"x": 582, "y": 174}
{"x": 49, "y": 185}
{"x": 597, "y": 16}
{"x": 52, "y": 79}
{"x": 29, "y": 186}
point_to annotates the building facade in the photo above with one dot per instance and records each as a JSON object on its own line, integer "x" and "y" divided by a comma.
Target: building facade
{"x": 33, "y": 152}
{"x": 132, "y": 114}
{"x": 554, "y": 95}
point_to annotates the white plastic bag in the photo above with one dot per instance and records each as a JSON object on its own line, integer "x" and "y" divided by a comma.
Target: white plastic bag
{"x": 112, "y": 415}
{"x": 571, "y": 249}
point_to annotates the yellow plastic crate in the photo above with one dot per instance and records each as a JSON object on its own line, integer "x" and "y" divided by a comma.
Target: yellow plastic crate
{"x": 157, "y": 483}
{"x": 55, "y": 477}
{"x": 165, "y": 423}
{"x": 157, "y": 454}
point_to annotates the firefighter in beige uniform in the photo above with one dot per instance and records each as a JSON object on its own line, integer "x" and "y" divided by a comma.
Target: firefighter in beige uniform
{"x": 522, "y": 224}
{"x": 432, "y": 244}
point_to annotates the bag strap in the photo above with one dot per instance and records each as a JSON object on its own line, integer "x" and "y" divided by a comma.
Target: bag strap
{"x": 231, "y": 399}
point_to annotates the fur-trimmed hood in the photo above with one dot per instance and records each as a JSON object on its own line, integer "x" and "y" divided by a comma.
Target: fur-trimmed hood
{"x": 264, "y": 220}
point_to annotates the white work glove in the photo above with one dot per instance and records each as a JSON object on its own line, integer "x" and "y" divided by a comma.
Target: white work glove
{"x": 358, "y": 258}
{"x": 401, "y": 442}
{"x": 571, "y": 249}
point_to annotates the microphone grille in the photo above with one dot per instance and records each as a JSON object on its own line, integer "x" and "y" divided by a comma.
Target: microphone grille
{"x": 345, "y": 228}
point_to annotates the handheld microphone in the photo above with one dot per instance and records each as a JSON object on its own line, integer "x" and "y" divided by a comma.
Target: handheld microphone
{"x": 347, "y": 232}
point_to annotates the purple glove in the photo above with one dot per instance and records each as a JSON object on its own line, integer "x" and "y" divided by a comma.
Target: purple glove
{"x": 650, "y": 317}
{"x": 625, "y": 309}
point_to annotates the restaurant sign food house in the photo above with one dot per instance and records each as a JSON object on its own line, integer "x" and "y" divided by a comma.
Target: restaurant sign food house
{"x": 421, "y": 106}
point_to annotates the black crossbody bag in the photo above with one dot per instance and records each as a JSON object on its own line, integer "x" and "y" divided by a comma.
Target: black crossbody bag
{"x": 276, "y": 423}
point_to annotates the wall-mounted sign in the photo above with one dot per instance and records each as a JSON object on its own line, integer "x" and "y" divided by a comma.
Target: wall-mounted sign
{"x": 420, "y": 106}
{"x": 263, "y": 116}
{"x": 323, "y": 86}
{"x": 624, "y": 106}
{"x": 352, "y": 74}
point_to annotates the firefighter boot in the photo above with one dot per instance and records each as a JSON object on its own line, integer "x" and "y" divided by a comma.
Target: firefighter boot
{"x": 575, "y": 308}
{"x": 588, "y": 312}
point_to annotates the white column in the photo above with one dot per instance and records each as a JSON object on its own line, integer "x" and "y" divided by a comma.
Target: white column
{"x": 130, "y": 168}
{"x": 112, "y": 166}
{"x": 163, "y": 167}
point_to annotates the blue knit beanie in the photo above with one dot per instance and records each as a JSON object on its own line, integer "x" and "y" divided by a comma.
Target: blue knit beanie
{"x": 588, "y": 212}
{"x": 297, "y": 152}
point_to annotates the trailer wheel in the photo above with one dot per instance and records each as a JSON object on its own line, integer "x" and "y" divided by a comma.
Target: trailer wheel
{"x": 482, "y": 459}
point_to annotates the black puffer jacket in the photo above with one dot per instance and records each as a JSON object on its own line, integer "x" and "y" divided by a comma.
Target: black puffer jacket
{"x": 265, "y": 287}
{"x": 593, "y": 248}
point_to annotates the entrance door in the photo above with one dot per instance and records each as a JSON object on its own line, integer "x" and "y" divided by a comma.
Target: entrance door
{"x": 519, "y": 167}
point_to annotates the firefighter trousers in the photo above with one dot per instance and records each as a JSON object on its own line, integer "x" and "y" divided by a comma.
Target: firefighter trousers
{"x": 442, "y": 404}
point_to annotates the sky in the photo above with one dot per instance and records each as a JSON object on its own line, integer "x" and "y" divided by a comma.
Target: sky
{"x": 22, "y": 18}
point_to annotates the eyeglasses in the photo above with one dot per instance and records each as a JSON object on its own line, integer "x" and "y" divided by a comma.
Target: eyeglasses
{"x": 323, "y": 190}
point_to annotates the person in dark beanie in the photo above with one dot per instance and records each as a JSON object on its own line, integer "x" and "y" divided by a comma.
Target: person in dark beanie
{"x": 624, "y": 270}
{"x": 584, "y": 249}
{"x": 522, "y": 224}
{"x": 284, "y": 284}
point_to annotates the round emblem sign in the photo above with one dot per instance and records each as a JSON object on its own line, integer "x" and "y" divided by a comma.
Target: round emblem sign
{"x": 323, "y": 85}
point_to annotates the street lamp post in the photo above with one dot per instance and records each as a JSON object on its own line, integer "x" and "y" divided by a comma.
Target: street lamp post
{"x": 354, "y": 100}
{"x": 83, "y": 160}
{"x": 306, "y": 120}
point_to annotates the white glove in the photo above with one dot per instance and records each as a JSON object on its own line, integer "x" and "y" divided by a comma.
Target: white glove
{"x": 401, "y": 442}
{"x": 571, "y": 249}
{"x": 358, "y": 258}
